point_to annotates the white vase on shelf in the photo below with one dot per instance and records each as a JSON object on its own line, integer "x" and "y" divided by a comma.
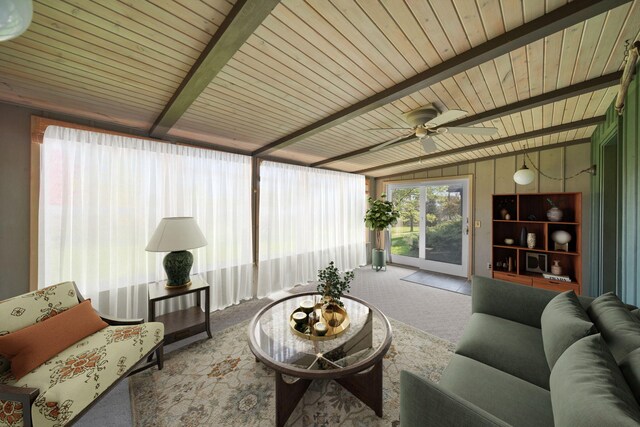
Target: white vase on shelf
{"x": 531, "y": 240}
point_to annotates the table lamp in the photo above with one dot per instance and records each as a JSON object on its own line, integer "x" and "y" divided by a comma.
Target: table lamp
{"x": 176, "y": 235}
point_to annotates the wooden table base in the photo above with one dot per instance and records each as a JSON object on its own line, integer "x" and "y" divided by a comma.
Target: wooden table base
{"x": 365, "y": 386}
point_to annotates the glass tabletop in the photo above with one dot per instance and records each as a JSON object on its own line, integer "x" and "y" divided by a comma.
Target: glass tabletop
{"x": 368, "y": 334}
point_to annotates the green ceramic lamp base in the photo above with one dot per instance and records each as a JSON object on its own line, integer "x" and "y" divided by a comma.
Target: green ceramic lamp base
{"x": 177, "y": 265}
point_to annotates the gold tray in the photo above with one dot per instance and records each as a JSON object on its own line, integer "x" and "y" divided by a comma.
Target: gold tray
{"x": 339, "y": 314}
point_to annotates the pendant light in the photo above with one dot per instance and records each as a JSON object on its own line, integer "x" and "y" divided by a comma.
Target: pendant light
{"x": 524, "y": 175}
{"x": 15, "y": 18}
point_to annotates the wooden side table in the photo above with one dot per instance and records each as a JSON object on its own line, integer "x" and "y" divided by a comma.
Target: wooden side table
{"x": 184, "y": 323}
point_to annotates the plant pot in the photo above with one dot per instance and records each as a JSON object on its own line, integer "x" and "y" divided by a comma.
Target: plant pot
{"x": 378, "y": 259}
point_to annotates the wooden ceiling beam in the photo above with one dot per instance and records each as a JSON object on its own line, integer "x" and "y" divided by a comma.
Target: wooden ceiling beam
{"x": 577, "y": 89}
{"x": 550, "y": 23}
{"x": 494, "y": 143}
{"x": 241, "y": 22}
{"x": 495, "y": 156}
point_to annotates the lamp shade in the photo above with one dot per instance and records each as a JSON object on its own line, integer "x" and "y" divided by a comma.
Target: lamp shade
{"x": 524, "y": 176}
{"x": 176, "y": 234}
{"x": 15, "y": 18}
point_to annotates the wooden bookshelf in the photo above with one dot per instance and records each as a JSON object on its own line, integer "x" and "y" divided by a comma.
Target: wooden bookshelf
{"x": 530, "y": 211}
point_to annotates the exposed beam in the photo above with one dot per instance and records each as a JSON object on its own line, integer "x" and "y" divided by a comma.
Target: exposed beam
{"x": 495, "y": 156}
{"x": 526, "y": 104}
{"x": 550, "y": 23}
{"x": 494, "y": 143}
{"x": 243, "y": 19}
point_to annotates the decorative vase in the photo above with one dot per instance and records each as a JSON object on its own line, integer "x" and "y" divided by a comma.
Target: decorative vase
{"x": 329, "y": 309}
{"x": 555, "y": 268}
{"x": 504, "y": 213}
{"x": 523, "y": 237}
{"x": 531, "y": 240}
{"x": 554, "y": 214}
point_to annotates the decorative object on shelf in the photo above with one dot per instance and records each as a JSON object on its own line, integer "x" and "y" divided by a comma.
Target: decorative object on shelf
{"x": 380, "y": 215}
{"x": 556, "y": 277}
{"x": 561, "y": 240}
{"x": 176, "y": 235}
{"x": 510, "y": 264}
{"x": 504, "y": 213}
{"x": 531, "y": 240}
{"x": 555, "y": 213}
{"x": 556, "y": 268}
{"x": 508, "y": 241}
{"x": 523, "y": 237}
{"x": 524, "y": 175}
{"x": 507, "y": 217}
{"x": 536, "y": 263}
{"x": 15, "y": 18}
{"x": 532, "y": 217}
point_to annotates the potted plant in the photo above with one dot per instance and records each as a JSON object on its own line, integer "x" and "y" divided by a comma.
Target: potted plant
{"x": 332, "y": 285}
{"x": 380, "y": 215}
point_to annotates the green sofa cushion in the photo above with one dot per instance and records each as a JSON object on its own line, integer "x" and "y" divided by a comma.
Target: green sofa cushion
{"x": 589, "y": 390}
{"x": 618, "y": 326}
{"x": 506, "y": 345}
{"x": 630, "y": 367}
{"x": 564, "y": 322}
{"x": 511, "y": 399}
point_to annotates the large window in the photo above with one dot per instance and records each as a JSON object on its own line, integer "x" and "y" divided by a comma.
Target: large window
{"x": 308, "y": 217}
{"x": 102, "y": 196}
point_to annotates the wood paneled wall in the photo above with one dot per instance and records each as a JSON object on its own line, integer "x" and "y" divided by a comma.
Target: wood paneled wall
{"x": 627, "y": 130}
{"x": 495, "y": 176}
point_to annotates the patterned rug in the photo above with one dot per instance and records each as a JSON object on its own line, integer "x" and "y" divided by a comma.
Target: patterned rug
{"x": 218, "y": 382}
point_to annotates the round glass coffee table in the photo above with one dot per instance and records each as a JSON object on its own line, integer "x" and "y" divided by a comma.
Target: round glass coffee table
{"x": 353, "y": 359}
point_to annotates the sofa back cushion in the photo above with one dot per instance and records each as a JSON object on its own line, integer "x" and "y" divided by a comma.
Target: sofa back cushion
{"x": 588, "y": 388}
{"x": 27, "y": 309}
{"x": 618, "y": 326}
{"x": 30, "y": 347}
{"x": 630, "y": 367}
{"x": 564, "y": 322}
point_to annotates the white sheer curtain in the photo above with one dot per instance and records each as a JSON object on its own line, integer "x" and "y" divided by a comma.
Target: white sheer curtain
{"x": 102, "y": 196}
{"x": 308, "y": 217}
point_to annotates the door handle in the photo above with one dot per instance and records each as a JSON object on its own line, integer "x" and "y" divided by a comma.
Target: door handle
{"x": 466, "y": 231}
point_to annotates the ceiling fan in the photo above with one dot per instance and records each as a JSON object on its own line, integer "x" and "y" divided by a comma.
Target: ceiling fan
{"x": 428, "y": 122}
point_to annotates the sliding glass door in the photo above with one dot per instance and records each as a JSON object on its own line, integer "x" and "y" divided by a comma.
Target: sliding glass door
{"x": 433, "y": 230}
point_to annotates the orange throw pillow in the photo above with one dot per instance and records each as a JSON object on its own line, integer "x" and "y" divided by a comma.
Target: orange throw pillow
{"x": 30, "y": 347}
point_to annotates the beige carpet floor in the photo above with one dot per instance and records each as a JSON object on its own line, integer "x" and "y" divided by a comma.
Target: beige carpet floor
{"x": 438, "y": 312}
{"x": 217, "y": 382}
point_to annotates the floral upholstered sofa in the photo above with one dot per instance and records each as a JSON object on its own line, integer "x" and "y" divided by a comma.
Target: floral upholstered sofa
{"x": 66, "y": 385}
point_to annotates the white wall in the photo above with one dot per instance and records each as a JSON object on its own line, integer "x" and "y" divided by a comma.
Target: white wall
{"x": 495, "y": 176}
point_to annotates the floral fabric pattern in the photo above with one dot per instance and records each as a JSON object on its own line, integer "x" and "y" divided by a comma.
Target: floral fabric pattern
{"x": 218, "y": 382}
{"x": 10, "y": 413}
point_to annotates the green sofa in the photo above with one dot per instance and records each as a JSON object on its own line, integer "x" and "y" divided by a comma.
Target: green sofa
{"x": 518, "y": 364}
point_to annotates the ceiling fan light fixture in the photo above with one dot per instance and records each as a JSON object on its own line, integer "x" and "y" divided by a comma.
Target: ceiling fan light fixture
{"x": 421, "y": 132}
{"x": 15, "y": 18}
{"x": 442, "y": 130}
{"x": 524, "y": 175}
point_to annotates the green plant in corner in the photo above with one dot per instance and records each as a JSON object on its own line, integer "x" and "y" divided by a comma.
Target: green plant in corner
{"x": 333, "y": 285}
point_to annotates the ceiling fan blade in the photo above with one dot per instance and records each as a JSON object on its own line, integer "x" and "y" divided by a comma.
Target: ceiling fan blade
{"x": 429, "y": 145}
{"x": 470, "y": 130}
{"x": 406, "y": 128}
{"x": 391, "y": 141}
{"x": 445, "y": 117}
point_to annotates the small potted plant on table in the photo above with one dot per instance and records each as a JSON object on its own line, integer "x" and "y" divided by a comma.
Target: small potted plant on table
{"x": 380, "y": 215}
{"x": 332, "y": 286}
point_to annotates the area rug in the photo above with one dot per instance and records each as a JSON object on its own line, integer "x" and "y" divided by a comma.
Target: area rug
{"x": 218, "y": 382}
{"x": 436, "y": 280}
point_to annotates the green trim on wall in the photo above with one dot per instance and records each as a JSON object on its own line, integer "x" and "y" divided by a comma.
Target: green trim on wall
{"x": 626, "y": 129}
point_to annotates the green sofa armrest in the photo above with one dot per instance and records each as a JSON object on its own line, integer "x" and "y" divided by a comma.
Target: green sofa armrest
{"x": 423, "y": 403}
{"x": 511, "y": 301}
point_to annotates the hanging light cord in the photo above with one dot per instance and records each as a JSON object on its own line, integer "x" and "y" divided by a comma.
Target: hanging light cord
{"x": 591, "y": 170}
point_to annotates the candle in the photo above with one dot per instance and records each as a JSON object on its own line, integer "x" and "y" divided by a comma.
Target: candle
{"x": 320, "y": 328}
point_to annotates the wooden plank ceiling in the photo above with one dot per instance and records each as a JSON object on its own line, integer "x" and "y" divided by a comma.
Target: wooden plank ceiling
{"x": 123, "y": 61}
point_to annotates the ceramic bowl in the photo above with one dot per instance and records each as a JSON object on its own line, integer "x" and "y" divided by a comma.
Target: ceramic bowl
{"x": 320, "y": 328}
{"x": 508, "y": 241}
{"x": 299, "y": 317}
